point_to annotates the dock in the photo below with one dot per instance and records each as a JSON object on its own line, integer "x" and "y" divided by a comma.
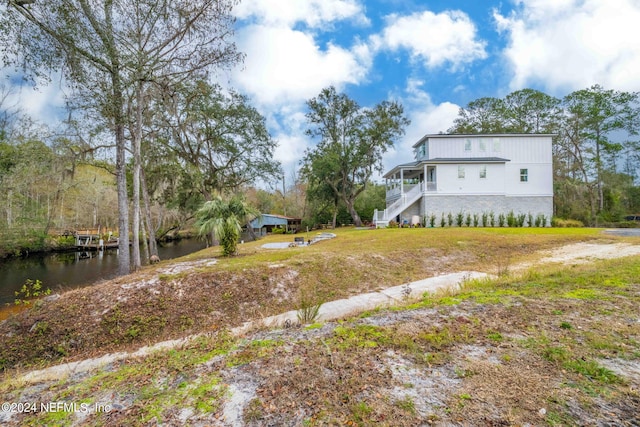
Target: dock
{"x": 90, "y": 239}
{"x": 94, "y": 242}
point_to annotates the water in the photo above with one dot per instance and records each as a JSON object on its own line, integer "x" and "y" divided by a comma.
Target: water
{"x": 59, "y": 271}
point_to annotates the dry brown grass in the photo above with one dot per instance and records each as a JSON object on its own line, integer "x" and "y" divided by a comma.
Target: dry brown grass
{"x": 153, "y": 305}
{"x": 536, "y": 350}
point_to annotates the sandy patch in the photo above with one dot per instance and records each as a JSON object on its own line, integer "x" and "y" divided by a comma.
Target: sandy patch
{"x": 581, "y": 253}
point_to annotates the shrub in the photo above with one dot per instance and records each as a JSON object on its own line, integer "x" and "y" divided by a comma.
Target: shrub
{"x": 432, "y": 220}
{"x": 450, "y": 219}
{"x": 501, "y": 219}
{"x": 459, "y": 219}
{"x": 467, "y": 221}
{"x": 308, "y": 306}
{"x": 511, "y": 219}
{"x": 520, "y": 220}
{"x": 530, "y": 219}
{"x": 31, "y": 289}
{"x": 443, "y": 222}
{"x": 485, "y": 219}
{"x": 627, "y": 224}
{"x": 566, "y": 223}
{"x": 492, "y": 219}
{"x": 541, "y": 221}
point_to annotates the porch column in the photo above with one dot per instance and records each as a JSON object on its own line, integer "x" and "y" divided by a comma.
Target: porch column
{"x": 401, "y": 181}
{"x": 426, "y": 179}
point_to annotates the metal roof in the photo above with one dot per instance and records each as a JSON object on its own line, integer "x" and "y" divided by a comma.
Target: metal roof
{"x": 467, "y": 160}
{"x": 272, "y": 219}
{"x": 440, "y": 161}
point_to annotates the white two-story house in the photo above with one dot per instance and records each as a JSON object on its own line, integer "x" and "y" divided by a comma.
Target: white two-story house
{"x": 472, "y": 174}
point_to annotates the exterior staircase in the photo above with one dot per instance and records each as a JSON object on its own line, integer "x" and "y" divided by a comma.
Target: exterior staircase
{"x": 381, "y": 218}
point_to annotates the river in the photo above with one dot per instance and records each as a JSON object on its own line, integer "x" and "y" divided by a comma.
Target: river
{"x": 60, "y": 271}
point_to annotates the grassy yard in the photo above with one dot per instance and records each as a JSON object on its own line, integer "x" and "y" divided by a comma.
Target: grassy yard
{"x": 552, "y": 345}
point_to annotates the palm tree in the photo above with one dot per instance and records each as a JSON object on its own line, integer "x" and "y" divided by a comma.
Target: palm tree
{"x": 225, "y": 219}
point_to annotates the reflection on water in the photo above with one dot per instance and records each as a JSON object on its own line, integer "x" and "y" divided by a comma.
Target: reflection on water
{"x": 60, "y": 271}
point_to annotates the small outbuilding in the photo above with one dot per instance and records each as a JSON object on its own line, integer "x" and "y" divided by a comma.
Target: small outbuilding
{"x": 267, "y": 222}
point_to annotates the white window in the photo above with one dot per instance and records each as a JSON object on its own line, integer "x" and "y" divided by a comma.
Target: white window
{"x": 483, "y": 145}
{"x": 483, "y": 171}
{"x": 524, "y": 175}
{"x": 461, "y": 172}
{"x": 467, "y": 145}
{"x": 496, "y": 144}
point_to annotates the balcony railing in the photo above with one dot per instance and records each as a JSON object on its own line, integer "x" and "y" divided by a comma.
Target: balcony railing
{"x": 394, "y": 193}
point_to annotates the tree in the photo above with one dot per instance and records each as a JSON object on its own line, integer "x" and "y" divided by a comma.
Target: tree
{"x": 351, "y": 143}
{"x": 323, "y": 200}
{"x": 225, "y": 219}
{"x": 371, "y": 199}
{"x": 522, "y": 111}
{"x": 8, "y": 113}
{"x": 484, "y": 115}
{"x": 592, "y": 117}
{"x": 531, "y": 111}
{"x": 109, "y": 48}
{"x": 221, "y": 140}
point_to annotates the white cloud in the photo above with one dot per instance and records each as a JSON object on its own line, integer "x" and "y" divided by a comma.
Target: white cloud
{"x": 291, "y": 148}
{"x": 313, "y": 13}
{"x": 436, "y": 39}
{"x": 573, "y": 44}
{"x": 42, "y": 103}
{"x": 285, "y": 65}
{"x": 426, "y": 118}
{"x": 289, "y": 130}
{"x": 538, "y": 9}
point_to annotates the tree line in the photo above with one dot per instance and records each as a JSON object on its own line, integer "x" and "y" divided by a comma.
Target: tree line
{"x": 596, "y": 151}
{"x": 205, "y": 139}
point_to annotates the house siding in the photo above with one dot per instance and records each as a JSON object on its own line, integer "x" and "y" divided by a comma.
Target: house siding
{"x": 449, "y": 183}
{"x": 411, "y": 211}
{"x": 533, "y": 148}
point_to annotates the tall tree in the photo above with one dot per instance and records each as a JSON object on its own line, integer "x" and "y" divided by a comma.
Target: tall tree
{"x": 484, "y": 115}
{"x": 221, "y": 140}
{"x": 531, "y": 111}
{"x": 593, "y": 117}
{"x": 351, "y": 143}
{"x": 8, "y": 113}
{"x": 108, "y": 47}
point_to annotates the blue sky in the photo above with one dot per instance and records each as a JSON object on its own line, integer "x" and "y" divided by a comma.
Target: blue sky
{"x": 432, "y": 56}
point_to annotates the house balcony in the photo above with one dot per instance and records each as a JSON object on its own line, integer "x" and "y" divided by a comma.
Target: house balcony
{"x": 394, "y": 192}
